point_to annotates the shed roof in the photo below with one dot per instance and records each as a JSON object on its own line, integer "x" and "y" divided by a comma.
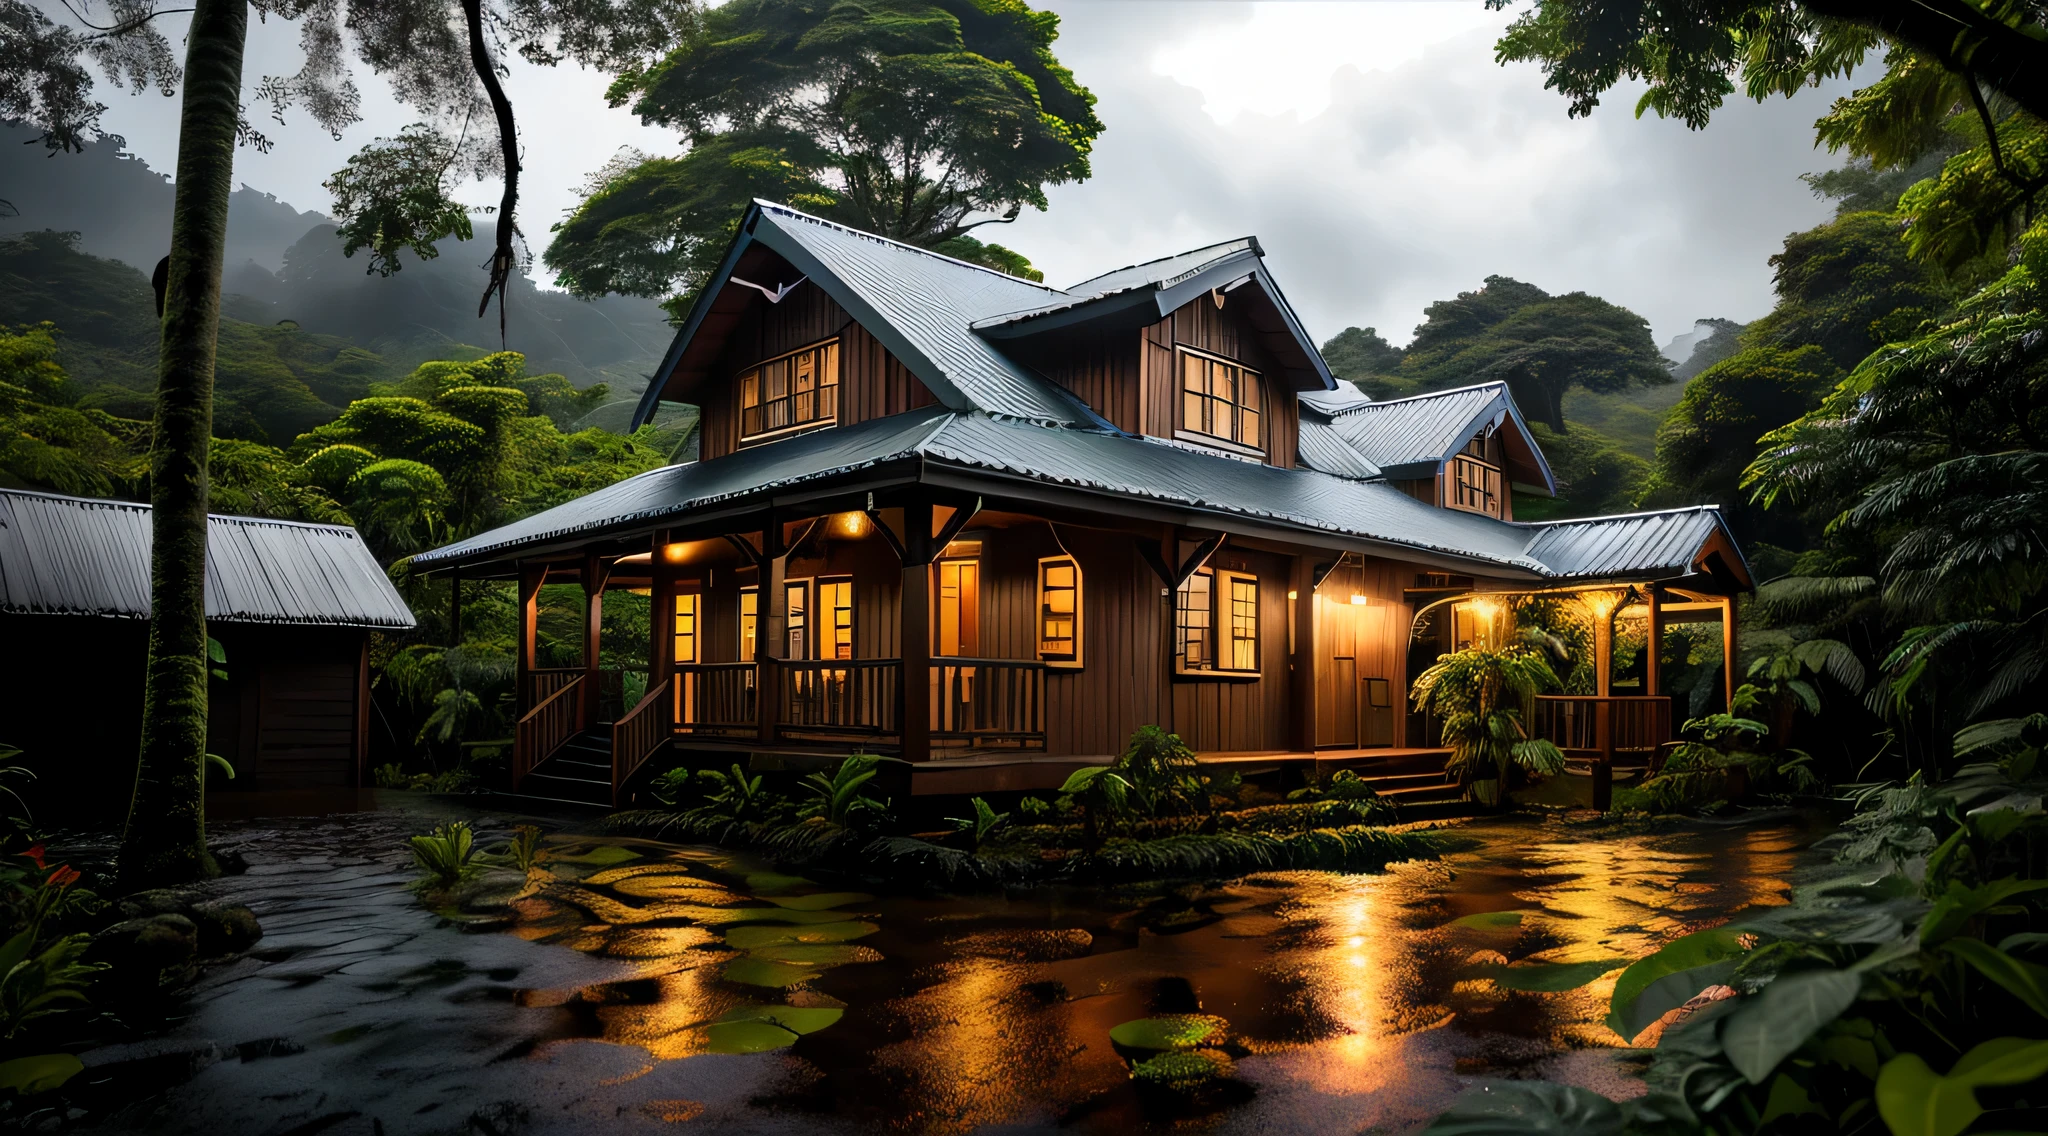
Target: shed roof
{"x": 978, "y": 448}
{"x": 1411, "y": 437}
{"x": 83, "y": 556}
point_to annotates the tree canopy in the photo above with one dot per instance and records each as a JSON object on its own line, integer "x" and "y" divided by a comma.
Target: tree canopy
{"x": 920, "y": 120}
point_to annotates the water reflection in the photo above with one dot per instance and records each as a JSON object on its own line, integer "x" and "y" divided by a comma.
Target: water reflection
{"x": 1348, "y": 998}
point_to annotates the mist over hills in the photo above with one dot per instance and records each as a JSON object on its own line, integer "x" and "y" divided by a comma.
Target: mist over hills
{"x": 286, "y": 264}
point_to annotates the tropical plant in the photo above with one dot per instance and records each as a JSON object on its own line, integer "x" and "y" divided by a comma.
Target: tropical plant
{"x": 1484, "y": 699}
{"x": 521, "y": 850}
{"x": 733, "y": 798}
{"x": 840, "y": 798}
{"x": 1697, "y": 772}
{"x": 1104, "y": 796}
{"x": 1165, "y": 773}
{"x": 985, "y": 821}
{"x": 447, "y": 855}
{"x": 1782, "y": 684}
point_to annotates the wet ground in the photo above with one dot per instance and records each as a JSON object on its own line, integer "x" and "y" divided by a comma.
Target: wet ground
{"x": 646, "y": 987}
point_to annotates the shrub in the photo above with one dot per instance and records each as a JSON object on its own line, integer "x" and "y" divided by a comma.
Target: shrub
{"x": 447, "y": 854}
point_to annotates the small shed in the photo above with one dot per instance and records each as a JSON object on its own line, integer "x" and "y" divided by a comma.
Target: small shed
{"x": 292, "y": 605}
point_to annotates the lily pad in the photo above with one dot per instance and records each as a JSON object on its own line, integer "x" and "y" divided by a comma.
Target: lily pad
{"x": 719, "y": 916}
{"x": 1490, "y": 921}
{"x": 749, "y": 936}
{"x": 746, "y": 1037}
{"x": 819, "y": 901}
{"x": 795, "y": 1019}
{"x": 39, "y": 1074}
{"x": 818, "y": 954}
{"x": 761, "y": 882}
{"x": 648, "y": 885}
{"x": 1182, "y": 1071}
{"x": 1169, "y": 1031}
{"x": 768, "y": 972}
{"x": 1547, "y": 977}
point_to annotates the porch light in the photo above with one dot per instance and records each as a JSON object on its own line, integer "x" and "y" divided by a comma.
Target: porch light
{"x": 1487, "y": 610}
{"x": 851, "y": 524}
{"x": 1291, "y": 594}
{"x": 1358, "y": 599}
{"x": 675, "y": 553}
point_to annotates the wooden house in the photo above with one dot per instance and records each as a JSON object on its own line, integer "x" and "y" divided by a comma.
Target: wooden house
{"x": 993, "y": 526}
{"x": 292, "y": 606}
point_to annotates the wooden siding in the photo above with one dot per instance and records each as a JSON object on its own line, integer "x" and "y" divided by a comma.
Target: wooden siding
{"x": 1215, "y": 715}
{"x": 1219, "y": 331}
{"x": 1355, "y": 643}
{"x": 1099, "y": 369}
{"x": 872, "y": 382}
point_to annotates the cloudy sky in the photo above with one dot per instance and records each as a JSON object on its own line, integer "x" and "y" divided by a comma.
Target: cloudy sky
{"x": 1381, "y": 156}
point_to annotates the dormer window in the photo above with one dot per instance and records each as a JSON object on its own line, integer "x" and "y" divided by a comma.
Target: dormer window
{"x": 1473, "y": 483}
{"x": 1220, "y": 402}
{"x": 790, "y": 392}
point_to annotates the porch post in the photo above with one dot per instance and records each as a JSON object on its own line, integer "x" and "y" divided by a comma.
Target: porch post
{"x": 531, "y": 577}
{"x": 914, "y": 633}
{"x": 1728, "y": 649}
{"x": 593, "y": 629}
{"x": 455, "y": 607}
{"x": 1603, "y": 710}
{"x": 1653, "y": 671}
{"x": 772, "y": 628}
{"x": 661, "y": 608}
{"x": 1301, "y": 660}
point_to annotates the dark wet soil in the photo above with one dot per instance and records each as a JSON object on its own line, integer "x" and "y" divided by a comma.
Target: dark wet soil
{"x": 637, "y": 978}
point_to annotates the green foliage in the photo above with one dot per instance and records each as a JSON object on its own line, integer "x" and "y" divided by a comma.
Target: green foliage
{"x": 1594, "y": 474}
{"x": 447, "y": 855}
{"x": 1172, "y": 1031}
{"x": 726, "y": 798}
{"x": 839, "y": 798}
{"x": 902, "y": 118}
{"x": 522, "y": 849}
{"x": 1105, "y": 797}
{"x": 391, "y": 196}
{"x": 985, "y": 821}
{"x": 1363, "y": 356}
{"x": 1485, "y": 699}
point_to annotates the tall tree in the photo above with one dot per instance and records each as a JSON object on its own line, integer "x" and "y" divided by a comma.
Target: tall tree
{"x": 921, "y": 120}
{"x": 1542, "y": 345}
{"x": 438, "y": 58}
{"x": 1363, "y": 355}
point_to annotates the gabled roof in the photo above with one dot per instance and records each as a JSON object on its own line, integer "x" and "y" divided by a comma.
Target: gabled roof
{"x": 83, "y": 556}
{"x": 945, "y": 319}
{"x": 1411, "y": 437}
{"x": 1653, "y": 545}
{"x": 980, "y": 453}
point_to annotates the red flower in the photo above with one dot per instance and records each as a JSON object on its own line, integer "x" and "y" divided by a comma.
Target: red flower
{"x": 35, "y": 853}
{"x": 64, "y": 876}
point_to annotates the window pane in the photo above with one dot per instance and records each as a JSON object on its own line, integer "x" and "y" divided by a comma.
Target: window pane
{"x": 1248, "y": 427}
{"x": 1244, "y": 624}
{"x": 749, "y": 614}
{"x": 686, "y": 629}
{"x": 1193, "y": 611}
{"x": 1057, "y": 604}
{"x": 1248, "y": 391}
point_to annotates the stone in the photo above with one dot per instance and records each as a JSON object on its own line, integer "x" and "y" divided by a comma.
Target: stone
{"x": 147, "y": 952}
{"x": 225, "y": 928}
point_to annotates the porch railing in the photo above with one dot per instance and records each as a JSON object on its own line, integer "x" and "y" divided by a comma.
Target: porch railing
{"x": 715, "y": 699}
{"x": 543, "y": 729}
{"x": 991, "y": 702}
{"x": 840, "y": 696}
{"x": 636, "y": 735}
{"x": 544, "y": 681}
{"x": 1591, "y": 725}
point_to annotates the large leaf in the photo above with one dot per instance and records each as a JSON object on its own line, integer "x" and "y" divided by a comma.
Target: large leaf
{"x": 768, "y": 972}
{"x": 748, "y": 936}
{"x": 1960, "y": 904}
{"x": 2024, "y": 980}
{"x": 1665, "y": 995}
{"x": 795, "y": 1019}
{"x": 746, "y": 1037}
{"x": 1529, "y": 1108}
{"x": 1547, "y": 977}
{"x": 38, "y": 1074}
{"x": 1489, "y": 921}
{"x": 1773, "y": 1023}
{"x": 1679, "y": 955}
{"x": 1916, "y": 1101}
{"x": 820, "y": 901}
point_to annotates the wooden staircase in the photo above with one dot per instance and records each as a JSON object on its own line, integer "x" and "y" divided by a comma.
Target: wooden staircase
{"x": 1414, "y": 784}
{"x": 580, "y": 772}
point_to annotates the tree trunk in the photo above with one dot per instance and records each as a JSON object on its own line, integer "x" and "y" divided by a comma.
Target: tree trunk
{"x": 165, "y": 842}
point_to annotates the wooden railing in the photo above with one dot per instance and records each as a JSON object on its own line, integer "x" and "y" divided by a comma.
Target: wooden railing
{"x": 715, "y": 698}
{"x": 840, "y": 696}
{"x": 543, "y": 729}
{"x": 636, "y": 735}
{"x": 988, "y": 701}
{"x": 1590, "y": 725}
{"x": 544, "y": 681}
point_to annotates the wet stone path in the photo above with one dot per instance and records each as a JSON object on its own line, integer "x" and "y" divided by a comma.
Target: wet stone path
{"x": 646, "y": 987}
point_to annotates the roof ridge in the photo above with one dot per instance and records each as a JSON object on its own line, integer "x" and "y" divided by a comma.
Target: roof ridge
{"x": 1249, "y": 240}
{"x": 1371, "y": 402}
{"x": 1560, "y": 522}
{"x": 144, "y": 507}
{"x": 878, "y": 238}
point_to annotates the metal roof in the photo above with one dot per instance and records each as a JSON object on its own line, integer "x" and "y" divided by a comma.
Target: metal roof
{"x": 1635, "y": 544}
{"x": 1333, "y": 402}
{"x": 1409, "y": 437}
{"x": 921, "y": 305}
{"x": 1161, "y": 274}
{"x": 81, "y": 556}
{"x": 1320, "y": 446}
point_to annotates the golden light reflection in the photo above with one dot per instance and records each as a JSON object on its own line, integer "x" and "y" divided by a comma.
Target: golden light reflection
{"x": 850, "y": 524}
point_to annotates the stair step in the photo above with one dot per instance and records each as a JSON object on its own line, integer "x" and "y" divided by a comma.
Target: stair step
{"x": 1404, "y": 781}
{"x": 585, "y": 770}
{"x": 567, "y": 788}
{"x": 1413, "y": 793}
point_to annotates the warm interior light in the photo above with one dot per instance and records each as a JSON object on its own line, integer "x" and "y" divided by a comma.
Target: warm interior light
{"x": 1484, "y": 609}
{"x": 1601, "y": 604}
{"x": 851, "y": 524}
{"x": 1358, "y": 599}
{"x": 675, "y": 553}
{"x": 1293, "y": 595}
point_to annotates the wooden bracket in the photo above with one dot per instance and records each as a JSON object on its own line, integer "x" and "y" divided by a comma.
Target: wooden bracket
{"x": 952, "y": 527}
{"x": 1322, "y": 572}
{"x": 754, "y": 555}
{"x": 1198, "y": 558}
{"x": 1149, "y": 549}
{"x": 888, "y": 534}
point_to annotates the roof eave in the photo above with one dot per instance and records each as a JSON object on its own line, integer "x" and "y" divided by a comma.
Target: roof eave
{"x": 650, "y": 399}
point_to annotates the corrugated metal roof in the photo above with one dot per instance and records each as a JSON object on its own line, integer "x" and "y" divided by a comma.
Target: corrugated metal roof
{"x": 1319, "y": 446}
{"x": 1161, "y": 274}
{"x": 1423, "y": 428}
{"x": 81, "y": 556}
{"x": 1637, "y": 544}
{"x": 1332, "y": 402}
{"x": 926, "y": 303}
{"x": 676, "y": 489}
